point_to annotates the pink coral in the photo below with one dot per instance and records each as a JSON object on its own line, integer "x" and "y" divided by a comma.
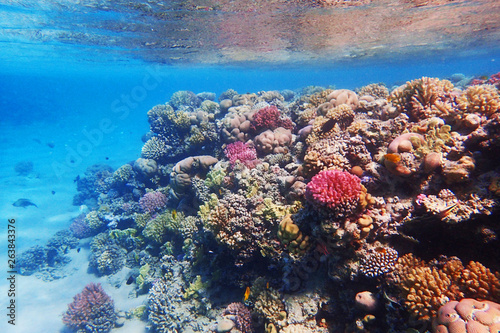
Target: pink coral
{"x": 92, "y": 310}
{"x": 467, "y": 316}
{"x": 153, "y": 201}
{"x": 270, "y": 118}
{"x": 334, "y": 189}
{"x": 239, "y": 151}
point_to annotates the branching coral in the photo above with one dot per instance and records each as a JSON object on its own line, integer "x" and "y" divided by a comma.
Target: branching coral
{"x": 424, "y": 98}
{"x": 337, "y": 191}
{"x": 484, "y": 99}
{"x": 91, "y": 311}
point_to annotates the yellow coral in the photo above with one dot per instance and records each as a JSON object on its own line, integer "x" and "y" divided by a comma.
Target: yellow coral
{"x": 481, "y": 98}
{"x": 290, "y": 235}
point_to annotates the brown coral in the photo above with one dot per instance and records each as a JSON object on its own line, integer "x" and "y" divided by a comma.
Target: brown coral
{"x": 290, "y": 235}
{"x": 424, "y": 98}
{"x": 481, "y": 98}
{"x": 425, "y": 288}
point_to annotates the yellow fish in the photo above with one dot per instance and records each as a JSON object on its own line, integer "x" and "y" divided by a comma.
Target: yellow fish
{"x": 174, "y": 214}
{"x": 247, "y": 293}
{"x": 393, "y": 158}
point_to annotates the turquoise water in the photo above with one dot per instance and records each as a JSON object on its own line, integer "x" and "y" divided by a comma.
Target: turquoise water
{"x": 77, "y": 79}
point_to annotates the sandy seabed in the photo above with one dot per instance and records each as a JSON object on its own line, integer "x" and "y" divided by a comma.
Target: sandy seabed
{"x": 40, "y": 304}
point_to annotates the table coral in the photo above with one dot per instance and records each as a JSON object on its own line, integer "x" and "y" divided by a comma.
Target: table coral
{"x": 91, "y": 311}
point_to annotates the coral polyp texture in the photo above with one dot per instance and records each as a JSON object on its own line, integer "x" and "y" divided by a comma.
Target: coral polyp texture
{"x": 337, "y": 191}
{"x": 91, "y": 311}
{"x": 300, "y": 211}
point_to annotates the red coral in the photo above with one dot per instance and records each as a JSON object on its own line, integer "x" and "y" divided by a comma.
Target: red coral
{"x": 239, "y": 151}
{"x": 270, "y": 118}
{"x": 92, "y": 310}
{"x": 335, "y": 190}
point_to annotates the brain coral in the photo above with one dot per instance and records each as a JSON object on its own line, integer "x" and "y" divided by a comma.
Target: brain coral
{"x": 337, "y": 191}
{"x": 484, "y": 99}
{"x": 467, "y": 316}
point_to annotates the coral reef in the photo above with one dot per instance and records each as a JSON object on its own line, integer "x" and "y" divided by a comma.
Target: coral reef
{"x": 91, "y": 311}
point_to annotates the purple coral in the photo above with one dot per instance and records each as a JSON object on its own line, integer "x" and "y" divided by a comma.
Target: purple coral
{"x": 153, "y": 201}
{"x": 92, "y": 310}
{"x": 240, "y": 315}
{"x": 239, "y": 151}
{"x": 80, "y": 228}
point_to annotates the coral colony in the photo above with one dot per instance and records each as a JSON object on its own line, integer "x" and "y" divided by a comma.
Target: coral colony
{"x": 317, "y": 210}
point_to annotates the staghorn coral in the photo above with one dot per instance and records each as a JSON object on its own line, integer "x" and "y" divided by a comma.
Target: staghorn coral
{"x": 467, "y": 316}
{"x": 336, "y": 191}
{"x": 91, "y": 311}
{"x": 484, "y": 99}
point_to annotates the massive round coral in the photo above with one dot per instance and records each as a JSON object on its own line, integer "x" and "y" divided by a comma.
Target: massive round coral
{"x": 334, "y": 190}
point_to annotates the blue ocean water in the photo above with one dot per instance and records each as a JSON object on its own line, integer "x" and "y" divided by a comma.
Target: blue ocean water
{"x": 77, "y": 79}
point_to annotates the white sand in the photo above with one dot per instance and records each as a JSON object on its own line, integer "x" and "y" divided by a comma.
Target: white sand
{"x": 39, "y": 304}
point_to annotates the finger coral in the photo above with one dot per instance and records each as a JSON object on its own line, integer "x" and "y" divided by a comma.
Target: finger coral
{"x": 484, "y": 99}
{"x": 291, "y": 236}
{"x": 91, "y": 311}
{"x": 424, "y": 98}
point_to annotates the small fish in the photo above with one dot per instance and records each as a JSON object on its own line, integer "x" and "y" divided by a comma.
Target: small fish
{"x": 107, "y": 158}
{"x": 445, "y": 212}
{"x": 53, "y": 192}
{"x": 393, "y": 158}
{"x": 37, "y": 141}
{"x": 51, "y": 144}
{"x": 321, "y": 248}
{"x": 327, "y": 126}
{"x": 77, "y": 178}
{"x": 174, "y": 214}
{"x": 78, "y": 250}
{"x": 267, "y": 285}
{"x": 130, "y": 280}
{"x": 23, "y": 203}
{"x": 247, "y": 294}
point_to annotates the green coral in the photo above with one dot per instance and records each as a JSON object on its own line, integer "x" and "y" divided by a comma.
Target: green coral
{"x": 207, "y": 207}
{"x": 210, "y": 106}
{"x": 121, "y": 234}
{"x": 271, "y": 211}
{"x": 93, "y": 221}
{"x": 139, "y": 312}
{"x": 143, "y": 273}
{"x": 196, "y": 136}
{"x": 436, "y": 138}
{"x": 193, "y": 291}
{"x": 215, "y": 178}
{"x": 141, "y": 219}
{"x": 180, "y": 119}
{"x": 123, "y": 174}
{"x": 157, "y": 229}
